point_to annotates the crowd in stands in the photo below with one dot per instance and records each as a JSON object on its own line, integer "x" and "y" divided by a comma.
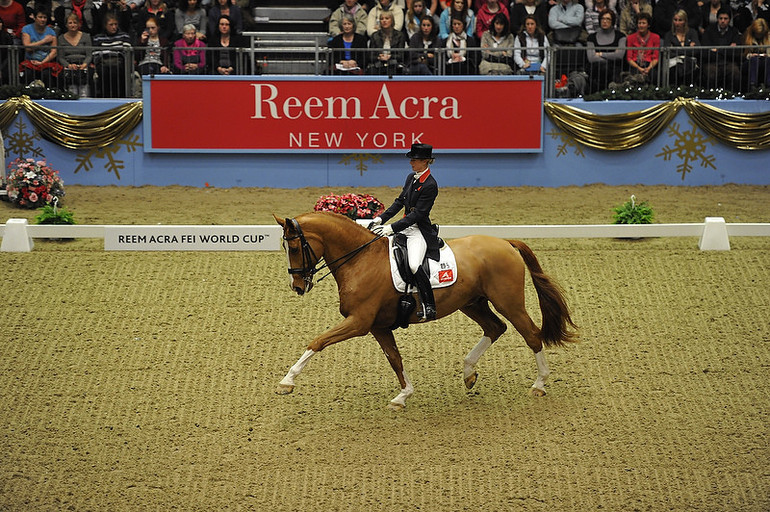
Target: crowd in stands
{"x": 81, "y": 45}
{"x": 609, "y": 40}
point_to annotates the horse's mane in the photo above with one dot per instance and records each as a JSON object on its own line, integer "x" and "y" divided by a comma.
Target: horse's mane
{"x": 340, "y": 221}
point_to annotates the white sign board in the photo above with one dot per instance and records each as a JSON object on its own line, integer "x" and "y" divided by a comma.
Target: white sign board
{"x": 192, "y": 238}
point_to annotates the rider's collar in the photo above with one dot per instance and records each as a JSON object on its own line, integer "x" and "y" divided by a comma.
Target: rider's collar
{"x": 422, "y": 176}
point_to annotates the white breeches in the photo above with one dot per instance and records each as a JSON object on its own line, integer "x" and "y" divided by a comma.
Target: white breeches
{"x": 416, "y": 247}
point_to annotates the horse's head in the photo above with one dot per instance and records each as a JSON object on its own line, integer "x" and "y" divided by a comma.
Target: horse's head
{"x": 302, "y": 253}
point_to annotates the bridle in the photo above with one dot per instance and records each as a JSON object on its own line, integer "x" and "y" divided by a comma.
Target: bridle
{"x": 310, "y": 261}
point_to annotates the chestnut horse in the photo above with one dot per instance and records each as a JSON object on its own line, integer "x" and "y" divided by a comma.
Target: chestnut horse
{"x": 488, "y": 270}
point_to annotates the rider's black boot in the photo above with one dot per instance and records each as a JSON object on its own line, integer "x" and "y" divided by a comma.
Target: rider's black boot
{"x": 426, "y": 294}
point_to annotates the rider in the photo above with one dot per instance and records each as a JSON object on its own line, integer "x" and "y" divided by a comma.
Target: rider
{"x": 417, "y": 198}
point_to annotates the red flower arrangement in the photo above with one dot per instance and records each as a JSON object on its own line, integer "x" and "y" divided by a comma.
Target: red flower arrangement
{"x": 33, "y": 183}
{"x": 355, "y": 206}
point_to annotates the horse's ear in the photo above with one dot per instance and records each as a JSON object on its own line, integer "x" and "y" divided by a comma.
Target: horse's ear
{"x": 282, "y": 222}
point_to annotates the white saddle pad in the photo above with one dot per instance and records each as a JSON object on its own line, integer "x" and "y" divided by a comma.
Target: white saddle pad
{"x": 443, "y": 273}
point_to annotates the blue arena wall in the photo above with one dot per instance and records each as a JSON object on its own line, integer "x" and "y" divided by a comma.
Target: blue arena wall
{"x": 682, "y": 154}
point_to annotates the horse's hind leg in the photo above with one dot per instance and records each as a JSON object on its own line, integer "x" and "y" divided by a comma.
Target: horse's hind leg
{"x": 493, "y": 328}
{"x": 388, "y": 344}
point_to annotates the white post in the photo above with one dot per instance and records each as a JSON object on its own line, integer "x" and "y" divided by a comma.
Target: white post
{"x": 15, "y": 237}
{"x": 714, "y": 237}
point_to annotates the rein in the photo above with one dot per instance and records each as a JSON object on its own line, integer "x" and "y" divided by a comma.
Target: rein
{"x": 308, "y": 255}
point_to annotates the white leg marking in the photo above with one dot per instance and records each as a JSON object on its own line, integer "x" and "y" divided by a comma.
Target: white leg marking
{"x": 474, "y": 355}
{"x": 297, "y": 368}
{"x": 542, "y": 371}
{"x": 405, "y": 393}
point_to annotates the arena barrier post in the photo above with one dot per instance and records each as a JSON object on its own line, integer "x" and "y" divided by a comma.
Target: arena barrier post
{"x": 714, "y": 237}
{"x": 15, "y": 237}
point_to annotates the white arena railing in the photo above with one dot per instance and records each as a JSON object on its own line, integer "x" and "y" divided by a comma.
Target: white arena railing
{"x": 714, "y": 234}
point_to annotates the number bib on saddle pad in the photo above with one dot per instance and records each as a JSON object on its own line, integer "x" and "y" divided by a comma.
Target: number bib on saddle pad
{"x": 443, "y": 273}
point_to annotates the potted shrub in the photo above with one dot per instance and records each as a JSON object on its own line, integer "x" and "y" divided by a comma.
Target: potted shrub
{"x": 632, "y": 212}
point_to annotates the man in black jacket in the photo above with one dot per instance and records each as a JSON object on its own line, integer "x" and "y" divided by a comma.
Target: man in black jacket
{"x": 721, "y": 68}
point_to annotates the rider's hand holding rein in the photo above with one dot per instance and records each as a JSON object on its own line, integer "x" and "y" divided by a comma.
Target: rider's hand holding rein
{"x": 374, "y": 223}
{"x": 383, "y": 230}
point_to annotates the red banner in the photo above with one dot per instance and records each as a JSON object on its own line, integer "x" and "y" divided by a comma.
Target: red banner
{"x": 353, "y": 115}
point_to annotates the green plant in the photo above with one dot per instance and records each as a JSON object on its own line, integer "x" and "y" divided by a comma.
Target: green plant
{"x": 50, "y": 214}
{"x": 632, "y": 212}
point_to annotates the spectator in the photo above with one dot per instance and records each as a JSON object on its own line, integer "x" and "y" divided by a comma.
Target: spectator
{"x": 190, "y": 12}
{"x": 75, "y": 56}
{"x": 530, "y": 47}
{"x": 663, "y": 13}
{"x": 162, "y": 13}
{"x": 83, "y": 9}
{"x": 643, "y": 60}
{"x": 424, "y": 62}
{"x": 14, "y": 18}
{"x": 112, "y": 50}
{"x": 519, "y": 11}
{"x": 630, "y": 15}
{"x": 605, "y": 52}
{"x": 749, "y": 10}
{"x": 389, "y": 60}
{"x": 458, "y": 8}
{"x": 413, "y": 17}
{"x": 566, "y": 22}
{"x": 225, "y": 8}
{"x": 710, "y": 12}
{"x": 345, "y": 58}
{"x": 459, "y": 60}
{"x": 39, "y": 41}
{"x": 189, "y": 55}
{"x": 496, "y": 61}
{"x": 155, "y": 61}
{"x": 224, "y": 57}
{"x": 757, "y": 41}
{"x": 682, "y": 64}
{"x": 485, "y": 14}
{"x": 592, "y": 11}
{"x": 353, "y": 8}
{"x": 721, "y": 64}
{"x": 122, "y": 13}
{"x": 505, "y": 4}
{"x": 6, "y": 40}
{"x": 373, "y": 20}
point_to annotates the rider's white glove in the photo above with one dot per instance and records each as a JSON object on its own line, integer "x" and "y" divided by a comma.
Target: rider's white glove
{"x": 374, "y": 223}
{"x": 383, "y": 230}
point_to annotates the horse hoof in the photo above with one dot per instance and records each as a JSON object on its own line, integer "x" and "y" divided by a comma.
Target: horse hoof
{"x": 284, "y": 389}
{"x": 396, "y": 407}
{"x": 536, "y": 392}
{"x": 470, "y": 380}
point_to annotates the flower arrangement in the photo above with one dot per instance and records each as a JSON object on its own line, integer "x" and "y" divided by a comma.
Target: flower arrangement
{"x": 355, "y": 206}
{"x": 33, "y": 183}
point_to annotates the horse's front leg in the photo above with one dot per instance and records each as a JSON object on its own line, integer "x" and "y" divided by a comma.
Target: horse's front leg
{"x": 388, "y": 344}
{"x": 350, "y": 327}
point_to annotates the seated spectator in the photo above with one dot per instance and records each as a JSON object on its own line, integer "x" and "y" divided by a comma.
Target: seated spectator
{"x": 413, "y": 17}
{"x": 14, "y": 18}
{"x": 191, "y": 13}
{"x": 388, "y": 60}
{"x": 459, "y": 60}
{"x": 663, "y": 12}
{"x": 721, "y": 65}
{"x": 682, "y": 64}
{"x": 519, "y": 11}
{"x": 485, "y": 14}
{"x": 530, "y": 46}
{"x": 6, "y": 40}
{"x": 353, "y": 8}
{"x": 756, "y": 69}
{"x": 593, "y": 10}
{"x": 642, "y": 61}
{"x": 110, "y": 57}
{"x": 83, "y": 9}
{"x": 630, "y": 15}
{"x": 424, "y": 62}
{"x": 162, "y": 13}
{"x": 122, "y": 12}
{"x": 750, "y": 11}
{"x": 224, "y": 56}
{"x": 496, "y": 61}
{"x": 380, "y": 6}
{"x": 155, "y": 60}
{"x": 39, "y": 41}
{"x": 710, "y": 12}
{"x": 225, "y": 8}
{"x": 189, "y": 57}
{"x": 605, "y": 53}
{"x": 348, "y": 48}
{"x": 505, "y": 4}
{"x": 566, "y": 22}
{"x": 75, "y": 57}
{"x": 458, "y": 8}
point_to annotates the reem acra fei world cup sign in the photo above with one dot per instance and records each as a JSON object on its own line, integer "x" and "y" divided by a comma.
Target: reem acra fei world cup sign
{"x": 326, "y": 114}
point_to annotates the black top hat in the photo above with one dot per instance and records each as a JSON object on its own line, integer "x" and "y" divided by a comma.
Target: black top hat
{"x": 420, "y": 152}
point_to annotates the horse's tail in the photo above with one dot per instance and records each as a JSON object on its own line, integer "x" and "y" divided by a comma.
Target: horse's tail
{"x": 558, "y": 327}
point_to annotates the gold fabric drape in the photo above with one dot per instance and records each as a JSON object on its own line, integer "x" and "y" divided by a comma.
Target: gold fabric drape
{"x": 617, "y": 132}
{"x": 71, "y": 131}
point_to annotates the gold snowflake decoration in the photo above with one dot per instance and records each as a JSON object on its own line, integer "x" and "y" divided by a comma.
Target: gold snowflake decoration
{"x": 112, "y": 164}
{"x": 689, "y": 146}
{"x": 21, "y": 143}
{"x": 361, "y": 159}
{"x": 567, "y": 141}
